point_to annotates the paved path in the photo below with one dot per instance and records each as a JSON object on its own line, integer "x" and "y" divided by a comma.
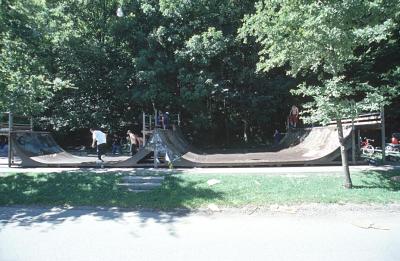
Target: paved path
{"x": 40, "y": 234}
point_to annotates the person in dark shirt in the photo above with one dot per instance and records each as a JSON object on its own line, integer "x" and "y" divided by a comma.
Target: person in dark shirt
{"x": 277, "y": 137}
{"x": 116, "y": 145}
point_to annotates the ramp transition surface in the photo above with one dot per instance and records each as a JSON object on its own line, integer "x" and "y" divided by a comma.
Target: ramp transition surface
{"x": 314, "y": 146}
{"x": 39, "y": 149}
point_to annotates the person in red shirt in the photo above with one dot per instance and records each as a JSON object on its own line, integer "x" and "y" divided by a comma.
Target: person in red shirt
{"x": 394, "y": 140}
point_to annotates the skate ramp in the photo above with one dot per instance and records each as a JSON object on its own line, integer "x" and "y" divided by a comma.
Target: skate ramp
{"x": 39, "y": 149}
{"x": 313, "y": 146}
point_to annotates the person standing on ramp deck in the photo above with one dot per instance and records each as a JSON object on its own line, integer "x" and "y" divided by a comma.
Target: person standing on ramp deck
{"x": 293, "y": 116}
{"x": 99, "y": 138}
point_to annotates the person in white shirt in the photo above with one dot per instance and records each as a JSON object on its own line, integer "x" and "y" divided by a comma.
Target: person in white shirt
{"x": 99, "y": 138}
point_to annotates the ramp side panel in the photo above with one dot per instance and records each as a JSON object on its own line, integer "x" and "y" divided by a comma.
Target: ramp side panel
{"x": 134, "y": 160}
{"x": 35, "y": 144}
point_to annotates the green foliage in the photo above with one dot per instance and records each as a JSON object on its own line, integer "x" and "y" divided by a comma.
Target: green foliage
{"x": 76, "y": 64}
{"x": 325, "y": 38}
{"x": 26, "y": 82}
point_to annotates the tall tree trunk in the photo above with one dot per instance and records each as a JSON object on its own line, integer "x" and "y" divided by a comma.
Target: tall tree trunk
{"x": 343, "y": 153}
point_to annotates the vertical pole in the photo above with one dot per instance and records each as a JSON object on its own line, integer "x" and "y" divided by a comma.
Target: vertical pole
{"x": 155, "y": 118}
{"x": 150, "y": 122}
{"x": 10, "y": 145}
{"x": 31, "y": 123}
{"x": 383, "y": 134}
{"x": 144, "y": 128}
{"x": 353, "y": 142}
{"x": 179, "y": 119}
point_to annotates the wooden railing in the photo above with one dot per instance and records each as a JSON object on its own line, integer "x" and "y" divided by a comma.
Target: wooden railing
{"x": 362, "y": 120}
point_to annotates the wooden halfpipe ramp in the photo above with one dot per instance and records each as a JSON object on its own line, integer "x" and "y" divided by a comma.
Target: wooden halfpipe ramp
{"x": 39, "y": 149}
{"x": 314, "y": 146}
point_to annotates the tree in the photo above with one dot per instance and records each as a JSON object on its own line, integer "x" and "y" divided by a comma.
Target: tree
{"x": 324, "y": 38}
{"x": 26, "y": 84}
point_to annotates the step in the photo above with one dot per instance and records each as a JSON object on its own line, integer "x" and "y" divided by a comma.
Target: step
{"x": 138, "y": 190}
{"x": 140, "y": 186}
{"x": 139, "y": 179}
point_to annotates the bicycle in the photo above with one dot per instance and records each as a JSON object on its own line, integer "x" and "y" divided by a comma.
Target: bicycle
{"x": 392, "y": 148}
{"x": 366, "y": 147}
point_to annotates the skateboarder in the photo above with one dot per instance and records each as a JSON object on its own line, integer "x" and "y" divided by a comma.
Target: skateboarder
{"x": 99, "y": 138}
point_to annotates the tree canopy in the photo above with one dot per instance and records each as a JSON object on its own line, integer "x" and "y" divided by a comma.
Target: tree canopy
{"x": 326, "y": 39}
{"x": 77, "y": 64}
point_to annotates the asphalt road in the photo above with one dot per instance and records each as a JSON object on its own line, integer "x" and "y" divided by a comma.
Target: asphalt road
{"x": 342, "y": 233}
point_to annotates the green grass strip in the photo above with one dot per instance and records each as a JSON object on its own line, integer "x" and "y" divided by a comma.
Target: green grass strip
{"x": 85, "y": 188}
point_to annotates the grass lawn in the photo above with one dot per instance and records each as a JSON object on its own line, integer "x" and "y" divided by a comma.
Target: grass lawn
{"x": 84, "y": 188}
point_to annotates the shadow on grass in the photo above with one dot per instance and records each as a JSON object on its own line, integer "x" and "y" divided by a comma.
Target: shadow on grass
{"x": 58, "y": 197}
{"x": 379, "y": 179}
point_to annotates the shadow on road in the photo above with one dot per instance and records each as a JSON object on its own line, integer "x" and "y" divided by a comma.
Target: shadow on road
{"x": 65, "y": 196}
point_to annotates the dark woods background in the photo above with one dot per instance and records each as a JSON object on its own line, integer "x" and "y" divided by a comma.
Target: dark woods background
{"x": 176, "y": 56}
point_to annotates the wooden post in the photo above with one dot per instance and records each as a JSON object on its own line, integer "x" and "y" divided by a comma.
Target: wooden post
{"x": 383, "y": 134}
{"x": 353, "y": 142}
{"x": 31, "y": 123}
{"x": 179, "y": 119}
{"x": 150, "y": 126}
{"x": 10, "y": 145}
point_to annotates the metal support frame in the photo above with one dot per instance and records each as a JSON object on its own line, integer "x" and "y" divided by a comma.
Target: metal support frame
{"x": 148, "y": 128}
{"x": 155, "y": 155}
